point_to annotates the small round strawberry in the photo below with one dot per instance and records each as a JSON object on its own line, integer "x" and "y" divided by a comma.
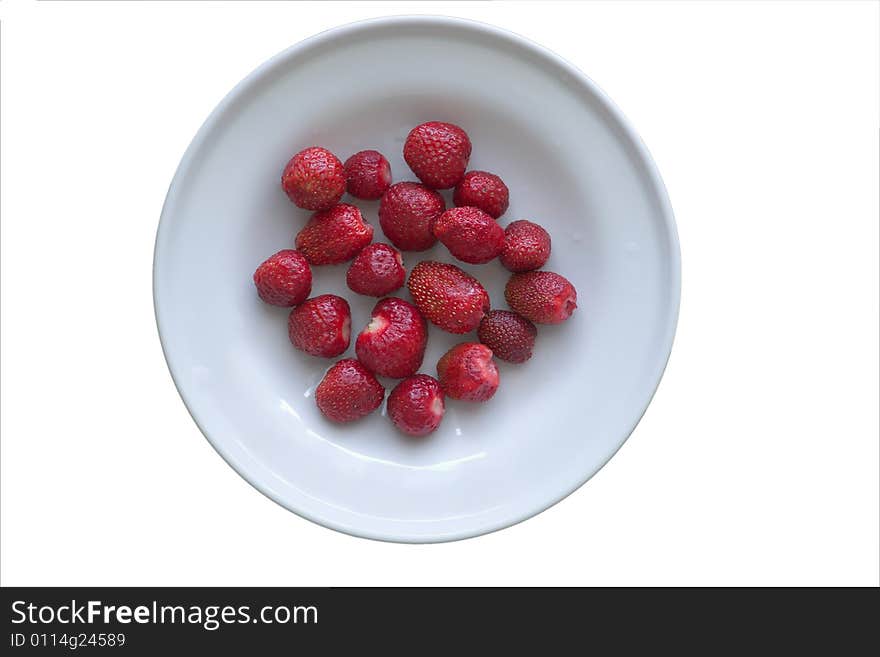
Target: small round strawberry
{"x": 285, "y": 279}
{"x": 376, "y": 271}
{"x": 484, "y": 190}
{"x": 510, "y": 336}
{"x": 393, "y": 343}
{"x": 541, "y": 296}
{"x": 334, "y": 236}
{"x": 348, "y": 392}
{"x": 467, "y": 372}
{"x": 470, "y": 234}
{"x": 447, "y": 296}
{"x": 526, "y": 246}
{"x": 407, "y": 214}
{"x": 314, "y": 179}
{"x": 416, "y": 405}
{"x": 321, "y": 326}
{"x": 438, "y": 153}
{"x": 368, "y": 175}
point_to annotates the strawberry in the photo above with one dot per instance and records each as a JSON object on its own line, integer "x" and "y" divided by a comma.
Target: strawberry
{"x": 321, "y": 326}
{"x": 285, "y": 279}
{"x": 541, "y": 296}
{"x": 449, "y": 297}
{"x": 334, "y": 236}
{"x": 510, "y": 336}
{"x": 393, "y": 343}
{"x": 526, "y": 246}
{"x": 348, "y": 392}
{"x": 438, "y": 153}
{"x": 368, "y": 175}
{"x": 467, "y": 372}
{"x": 484, "y": 190}
{"x": 314, "y": 179}
{"x": 416, "y": 405}
{"x": 470, "y": 234}
{"x": 376, "y": 271}
{"x": 407, "y": 213}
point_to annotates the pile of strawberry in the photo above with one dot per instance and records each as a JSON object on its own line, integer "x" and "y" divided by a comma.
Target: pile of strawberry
{"x": 413, "y": 217}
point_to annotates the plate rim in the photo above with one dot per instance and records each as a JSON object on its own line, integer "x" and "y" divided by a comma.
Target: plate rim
{"x": 546, "y": 56}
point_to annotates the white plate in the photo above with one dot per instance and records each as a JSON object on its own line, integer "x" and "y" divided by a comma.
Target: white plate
{"x": 572, "y": 163}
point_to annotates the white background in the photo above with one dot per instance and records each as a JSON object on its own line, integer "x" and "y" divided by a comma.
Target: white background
{"x": 757, "y": 462}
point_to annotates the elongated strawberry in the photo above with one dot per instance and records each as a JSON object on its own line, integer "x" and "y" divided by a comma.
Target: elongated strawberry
{"x": 334, "y": 236}
{"x": 393, "y": 343}
{"x": 447, "y": 296}
{"x": 541, "y": 296}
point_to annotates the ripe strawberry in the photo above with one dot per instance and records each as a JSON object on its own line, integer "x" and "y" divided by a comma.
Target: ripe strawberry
{"x": 368, "y": 174}
{"x": 407, "y": 213}
{"x": 526, "y": 246}
{"x": 541, "y": 296}
{"x": 484, "y": 190}
{"x": 470, "y": 234}
{"x": 467, "y": 372}
{"x": 510, "y": 336}
{"x": 284, "y": 279}
{"x": 314, "y": 179}
{"x": 334, "y": 236}
{"x": 393, "y": 343}
{"x": 449, "y": 297}
{"x": 416, "y": 405}
{"x": 321, "y": 326}
{"x": 348, "y": 392}
{"x": 438, "y": 153}
{"x": 376, "y": 271}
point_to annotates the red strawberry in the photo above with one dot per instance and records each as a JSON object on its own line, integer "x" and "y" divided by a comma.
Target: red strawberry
{"x": 511, "y": 337}
{"x": 348, "y": 392}
{"x": 470, "y": 234}
{"x": 484, "y": 190}
{"x": 526, "y": 246}
{"x": 284, "y": 279}
{"x": 416, "y": 405}
{"x": 467, "y": 372}
{"x": 541, "y": 296}
{"x": 314, "y": 179}
{"x": 334, "y": 236}
{"x": 368, "y": 174}
{"x": 438, "y": 153}
{"x": 407, "y": 214}
{"x": 449, "y": 297}
{"x": 321, "y": 326}
{"x": 393, "y": 343}
{"x": 376, "y": 271}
